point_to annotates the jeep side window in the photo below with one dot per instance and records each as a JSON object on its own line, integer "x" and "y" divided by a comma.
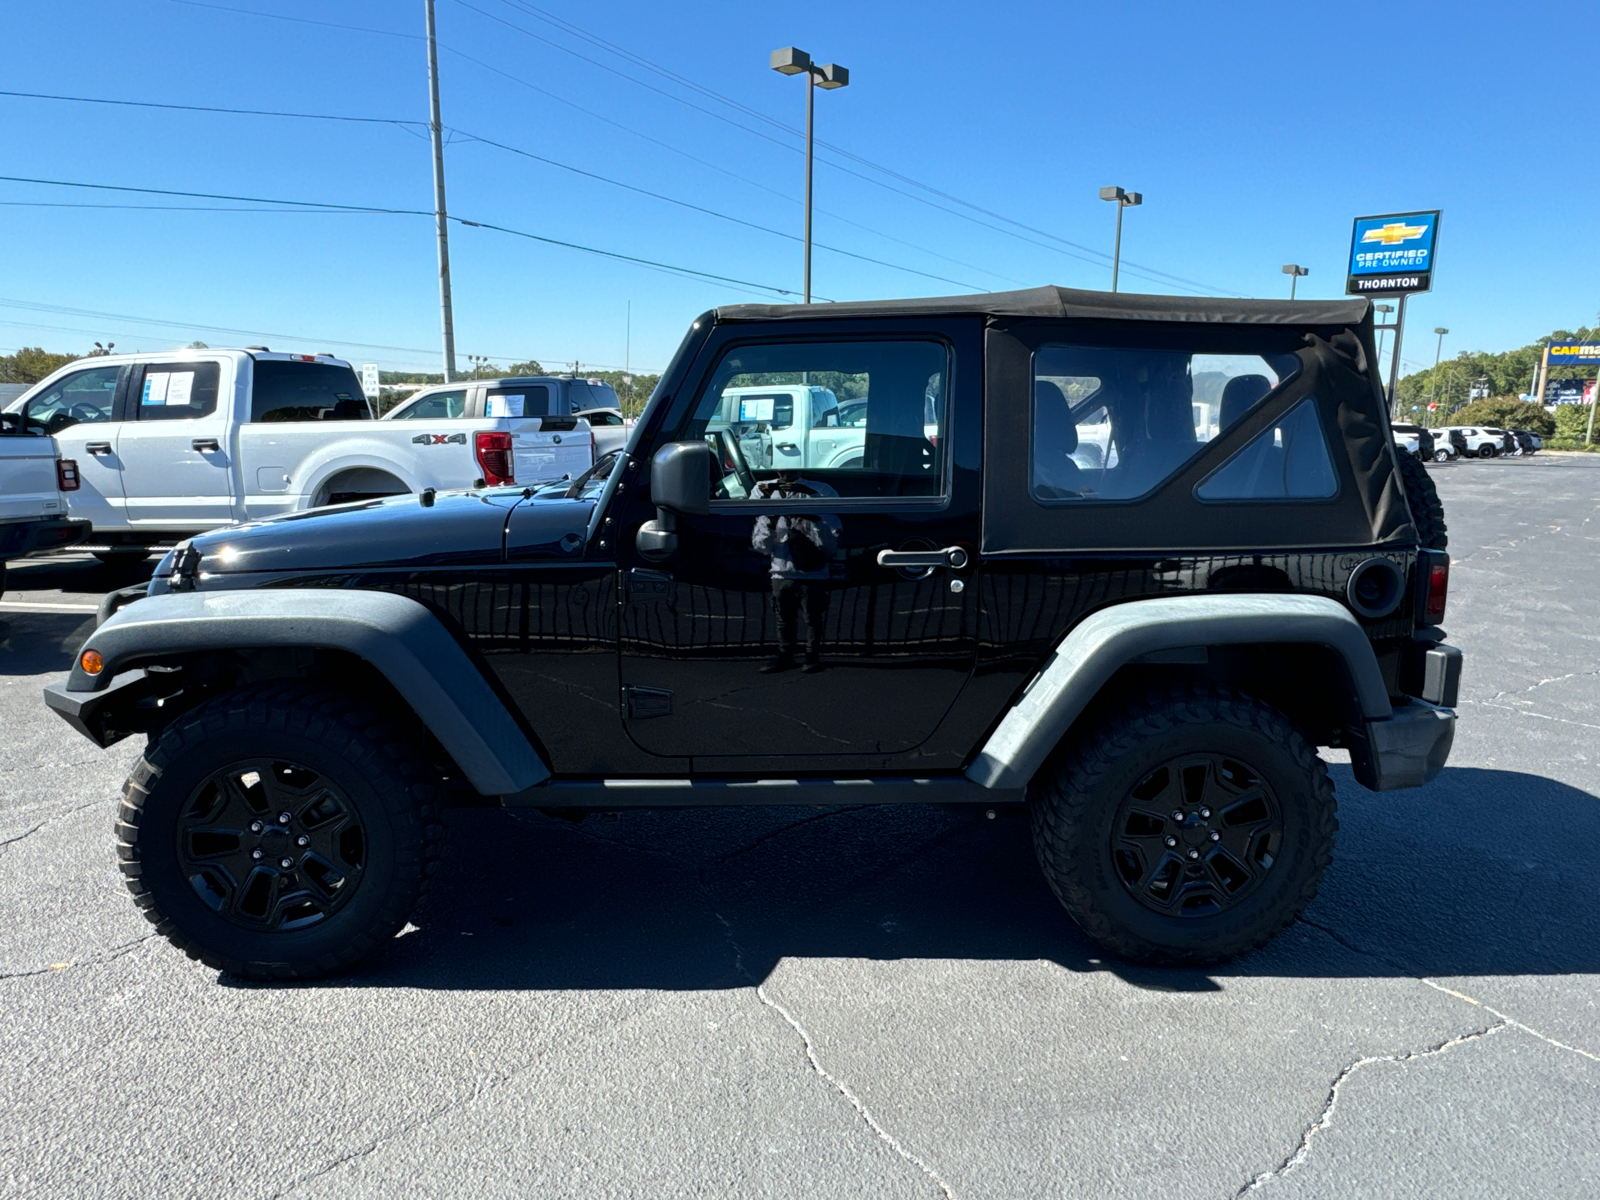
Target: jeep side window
{"x": 1113, "y": 424}
{"x": 883, "y": 404}
{"x": 1287, "y": 462}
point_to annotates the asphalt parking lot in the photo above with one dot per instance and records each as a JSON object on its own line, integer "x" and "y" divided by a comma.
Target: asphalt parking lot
{"x": 883, "y": 1002}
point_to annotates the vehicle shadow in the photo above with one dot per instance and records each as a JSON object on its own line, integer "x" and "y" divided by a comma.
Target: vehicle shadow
{"x": 41, "y": 643}
{"x": 1481, "y": 873}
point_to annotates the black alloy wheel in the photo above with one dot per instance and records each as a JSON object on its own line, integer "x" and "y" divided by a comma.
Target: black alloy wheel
{"x": 1196, "y": 836}
{"x": 271, "y": 845}
{"x": 281, "y": 831}
{"x": 1487, "y": 451}
{"x": 1187, "y": 827}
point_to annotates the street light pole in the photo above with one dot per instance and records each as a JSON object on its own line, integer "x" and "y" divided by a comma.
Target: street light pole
{"x": 791, "y": 61}
{"x": 1124, "y": 200}
{"x": 1294, "y": 271}
{"x": 1438, "y": 352}
{"x": 441, "y": 219}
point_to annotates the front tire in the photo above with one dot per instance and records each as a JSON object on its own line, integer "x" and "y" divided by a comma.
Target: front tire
{"x": 1188, "y": 828}
{"x": 281, "y": 831}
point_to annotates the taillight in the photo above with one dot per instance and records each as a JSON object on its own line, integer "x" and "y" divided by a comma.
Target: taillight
{"x": 1433, "y": 566}
{"x": 494, "y": 457}
{"x": 66, "y": 475}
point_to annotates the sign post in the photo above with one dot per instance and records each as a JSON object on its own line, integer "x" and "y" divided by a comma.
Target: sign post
{"x": 1393, "y": 255}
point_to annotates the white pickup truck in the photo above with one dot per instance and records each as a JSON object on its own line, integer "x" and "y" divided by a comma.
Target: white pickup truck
{"x": 171, "y": 444}
{"x": 33, "y": 503}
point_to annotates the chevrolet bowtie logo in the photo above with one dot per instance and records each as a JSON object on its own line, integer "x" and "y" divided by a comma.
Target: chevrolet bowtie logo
{"x": 1394, "y": 233}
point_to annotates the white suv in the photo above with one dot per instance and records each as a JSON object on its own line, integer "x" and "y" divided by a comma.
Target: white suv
{"x": 1481, "y": 442}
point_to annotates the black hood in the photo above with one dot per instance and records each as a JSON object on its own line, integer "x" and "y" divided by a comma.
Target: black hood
{"x": 456, "y": 529}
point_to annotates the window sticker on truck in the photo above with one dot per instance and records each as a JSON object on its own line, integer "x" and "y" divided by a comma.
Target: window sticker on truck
{"x": 505, "y": 406}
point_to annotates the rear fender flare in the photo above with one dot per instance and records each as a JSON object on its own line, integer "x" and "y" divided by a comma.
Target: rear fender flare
{"x": 1097, "y": 646}
{"x": 397, "y": 636}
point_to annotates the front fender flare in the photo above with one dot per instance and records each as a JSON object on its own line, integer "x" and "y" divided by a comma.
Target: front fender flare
{"x": 1098, "y": 645}
{"x": 397, "y": 636}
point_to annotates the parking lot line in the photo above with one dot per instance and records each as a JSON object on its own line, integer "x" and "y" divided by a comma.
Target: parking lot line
{"x": 45, "y": 607}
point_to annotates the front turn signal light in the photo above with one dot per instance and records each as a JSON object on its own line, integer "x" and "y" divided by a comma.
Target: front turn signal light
{"x": 91, "y": 662}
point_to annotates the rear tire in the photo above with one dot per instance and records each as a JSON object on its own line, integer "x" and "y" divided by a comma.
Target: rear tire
{"x": 1441, "y": 456}
{"x": 1422, "y": 497}
{"x": 202, "y": 833}
{"x": 1151, "y": 888}
{"x": 1486, "y": 451}
{"x": 122, "y": 556}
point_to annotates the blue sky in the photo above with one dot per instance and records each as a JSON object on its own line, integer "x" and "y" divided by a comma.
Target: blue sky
{"x": 1256, "y": 132}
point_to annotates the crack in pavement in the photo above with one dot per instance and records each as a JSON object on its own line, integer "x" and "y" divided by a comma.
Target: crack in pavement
{"x": 98, "y": 960}
{"x": 1541, "y": 683}
{"x": 7, "y": 843}
{"x": 1526, "y": 712}
{"x": 829, "y": 1077}
{"x": 1303, "y": 1151}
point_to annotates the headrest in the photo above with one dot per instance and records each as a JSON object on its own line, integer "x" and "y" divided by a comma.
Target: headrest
{"x": 1242, "y": 394}
{"x": 1053, "y": 428}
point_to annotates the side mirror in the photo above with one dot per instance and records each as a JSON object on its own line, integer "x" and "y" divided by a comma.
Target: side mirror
{"x": 680, "y": 478}
{"x": 680, "y": 483}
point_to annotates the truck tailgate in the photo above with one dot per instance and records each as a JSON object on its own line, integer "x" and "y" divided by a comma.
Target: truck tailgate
{"x": 28, "y": 479}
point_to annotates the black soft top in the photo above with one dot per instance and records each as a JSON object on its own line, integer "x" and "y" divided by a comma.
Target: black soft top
{"x": 1061, "y": 303}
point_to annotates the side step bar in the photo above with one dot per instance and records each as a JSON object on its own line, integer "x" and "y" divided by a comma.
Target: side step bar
{"x": 694, "y": 793}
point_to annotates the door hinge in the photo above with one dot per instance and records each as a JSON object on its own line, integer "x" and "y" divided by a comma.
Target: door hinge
{"x": 646, "y": 702}
{"x": 645, "y": 584}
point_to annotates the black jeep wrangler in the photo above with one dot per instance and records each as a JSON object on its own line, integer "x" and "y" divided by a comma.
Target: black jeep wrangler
{"x": 1125, "y": 560}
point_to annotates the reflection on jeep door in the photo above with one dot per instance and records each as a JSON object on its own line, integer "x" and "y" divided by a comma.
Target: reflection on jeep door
{"x": 775, "y": 631}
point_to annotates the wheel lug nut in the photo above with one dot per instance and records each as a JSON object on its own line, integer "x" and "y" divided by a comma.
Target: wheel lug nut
{"x": 1193, "y": 854}
{"x": 1177, "y": 815}
{"x": 283, "y": 818}
{"x": 255, "y": 826}
{"x": 1205, "y": 814}
{"x": 1171, "y": 842}
{"x": 257, "y": 854}
{"x": 286, "y": 863}
{"x": 302, "y": 840}
{"x": 1215, "y": 836}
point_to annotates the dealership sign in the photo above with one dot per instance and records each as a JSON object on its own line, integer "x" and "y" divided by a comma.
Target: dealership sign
{"x": 1574, "y": 354}
{"x": 1392, "y": 255}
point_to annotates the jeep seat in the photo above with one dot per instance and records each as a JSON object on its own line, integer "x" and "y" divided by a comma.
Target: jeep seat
{"x": 1055, "y": 440}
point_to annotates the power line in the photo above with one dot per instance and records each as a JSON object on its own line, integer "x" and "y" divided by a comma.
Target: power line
{"x": 599, "y": 117}
{"x": 508, "y": 149}
{"x": 687, "y": 272}
{"x": 647, "y": 64}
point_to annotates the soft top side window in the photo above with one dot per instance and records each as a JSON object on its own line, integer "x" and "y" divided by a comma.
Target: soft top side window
{"x": 885, "y": 404}
{"x": 1114, "y": 423}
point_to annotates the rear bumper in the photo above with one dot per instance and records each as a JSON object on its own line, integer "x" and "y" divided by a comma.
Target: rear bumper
{"x": 1407, "y": 750}
{"x": 31, "y": 537}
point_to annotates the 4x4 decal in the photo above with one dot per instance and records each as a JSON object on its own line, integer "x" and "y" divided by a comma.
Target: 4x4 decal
{"x": 440, "y": 439}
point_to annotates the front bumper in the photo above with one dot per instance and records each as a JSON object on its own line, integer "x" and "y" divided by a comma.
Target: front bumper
{"x": 1406, "y": 750}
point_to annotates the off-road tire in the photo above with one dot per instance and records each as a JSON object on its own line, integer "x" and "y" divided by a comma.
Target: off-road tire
{"x": 1076, "y": 796}
{"x": 369, "y": 755}
{"x": 1427, "y": 510}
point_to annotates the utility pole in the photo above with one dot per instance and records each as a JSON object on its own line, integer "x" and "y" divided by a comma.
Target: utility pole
{"x": 1433, "y": 384}
{"x": 440, "y": 217}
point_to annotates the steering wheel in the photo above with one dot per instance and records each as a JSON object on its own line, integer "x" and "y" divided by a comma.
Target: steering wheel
{"x": 733, "y": 455}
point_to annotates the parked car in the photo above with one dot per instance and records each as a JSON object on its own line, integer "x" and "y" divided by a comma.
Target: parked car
{"x": 172, "y": 444}
{"x": 1145, "y": 653}
{"x": 34, "y": 482}
{"x": 1416, "y": 440}
{"x": 610, "y": 428}
{"x": 1528, "y": 442}
{"x": 1480, "y": 441}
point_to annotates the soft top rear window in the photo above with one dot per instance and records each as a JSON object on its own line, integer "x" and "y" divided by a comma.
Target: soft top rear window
{"x": 302, "y": 391}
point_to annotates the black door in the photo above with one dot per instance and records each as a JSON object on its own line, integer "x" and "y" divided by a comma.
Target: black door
{"x": 791, "y": 623}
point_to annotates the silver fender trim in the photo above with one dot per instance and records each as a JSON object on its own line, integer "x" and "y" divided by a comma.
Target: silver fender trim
{"x": 1104, "y": 641}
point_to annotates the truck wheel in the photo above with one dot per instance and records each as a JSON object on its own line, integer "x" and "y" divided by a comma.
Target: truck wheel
{"x": 282, "y": 831}
{"x": 122, "y": 556}
{"x": 1189, "y": 828}
{"x": 1422, "y": 497}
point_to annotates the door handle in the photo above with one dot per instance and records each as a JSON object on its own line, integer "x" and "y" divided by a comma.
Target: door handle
{"x": 97, "y": 447}
{"x": 950, "y": 556}
{"x": 204, "y": 444}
